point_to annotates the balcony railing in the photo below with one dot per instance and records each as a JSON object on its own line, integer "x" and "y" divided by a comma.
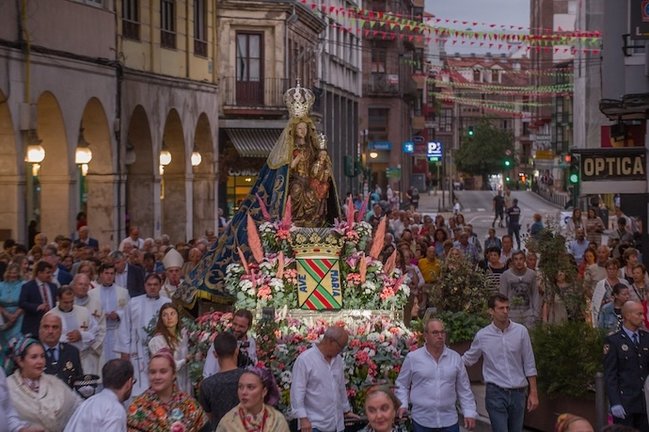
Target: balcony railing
{"x": 383, "y": 84}
{"x": 264, "y": 93}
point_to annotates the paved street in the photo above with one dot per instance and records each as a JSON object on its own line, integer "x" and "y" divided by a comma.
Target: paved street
{"x": 477, "y": 208}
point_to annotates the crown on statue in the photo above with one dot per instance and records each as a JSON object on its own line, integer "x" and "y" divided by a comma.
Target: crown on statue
{"x": 299, "y": 100}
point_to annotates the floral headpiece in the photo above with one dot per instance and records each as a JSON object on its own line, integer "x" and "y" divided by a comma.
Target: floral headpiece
{"x": 268, "y": 380}
{"x": 166, "y": 353}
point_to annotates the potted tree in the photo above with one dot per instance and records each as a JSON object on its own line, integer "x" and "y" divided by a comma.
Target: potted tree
{"x": 568, "y": 353}
{"x": 460, "y": 298}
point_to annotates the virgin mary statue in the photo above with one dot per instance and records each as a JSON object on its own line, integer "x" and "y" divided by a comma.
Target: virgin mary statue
{"x": 298, "y": 167}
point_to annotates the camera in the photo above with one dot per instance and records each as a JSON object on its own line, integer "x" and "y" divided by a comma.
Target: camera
{"x": 243, "y": 359}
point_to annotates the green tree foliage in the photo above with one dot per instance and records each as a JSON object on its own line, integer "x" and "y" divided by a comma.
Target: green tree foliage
{"x": 484, "y": 153}
{"x": 567, "y": 357}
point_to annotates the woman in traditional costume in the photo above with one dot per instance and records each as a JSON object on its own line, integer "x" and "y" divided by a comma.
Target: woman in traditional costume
{"x": 286, "y": 173}
{"x": 257, "y": 393}
{"x": 42, "y": 400}
{"x": 170, "y": 335}
{"x": 381, "y": 407}
{"x": 163, "y": 407}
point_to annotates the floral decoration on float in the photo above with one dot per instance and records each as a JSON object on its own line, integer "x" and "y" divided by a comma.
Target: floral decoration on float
{"x": 271, "y": 280}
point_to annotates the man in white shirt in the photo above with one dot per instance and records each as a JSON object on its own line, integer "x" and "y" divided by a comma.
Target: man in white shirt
{"x": 80, "y": 288}
{"x": 114, "y": 301}
{"x": 105, "y": 411}
{"x": 241, "y": 323}
{"x": 433, "y": 378}
{"x": 133, "y": 238}
{"x": 79, "y": 329}
{"x": 508, "y": 368}
{"x": 318, "y": 395}
{"x": 132, "y": 340}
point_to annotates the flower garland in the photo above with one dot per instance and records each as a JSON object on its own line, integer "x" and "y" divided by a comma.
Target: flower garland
{"x": 273, "y": 281}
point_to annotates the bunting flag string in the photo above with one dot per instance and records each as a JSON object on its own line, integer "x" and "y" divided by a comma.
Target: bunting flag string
{"x": 493, "y": 88}
{"x": 513, "y": 105}
{"x": 390, "y": 22}
{"x": 408, "y": 19}
{"x": 393, "y": 35}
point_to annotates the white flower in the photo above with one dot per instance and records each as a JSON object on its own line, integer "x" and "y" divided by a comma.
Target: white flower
{"x": 245, "y": 285}
{"x": 234, "y": 268}
{"x": 276, "y": 284}
{"x": 368, "y": 285}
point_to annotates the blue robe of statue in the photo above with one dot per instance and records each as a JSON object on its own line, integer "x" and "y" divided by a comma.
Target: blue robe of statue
{"x": 272, "y": 186}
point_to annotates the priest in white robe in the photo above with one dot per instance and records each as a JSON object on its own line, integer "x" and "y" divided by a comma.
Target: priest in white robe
{"x": 92, "y": 359}
{"x": 114, "y": 303}
{"x": 173, "y": 263}
{"x": 133, "y": 338}
{"x": 78, "y": 328}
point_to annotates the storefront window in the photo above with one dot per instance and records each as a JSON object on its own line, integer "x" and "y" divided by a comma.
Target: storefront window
{"x": 238, "y": 187}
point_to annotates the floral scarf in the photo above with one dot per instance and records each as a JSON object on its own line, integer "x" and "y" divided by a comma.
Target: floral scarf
{"x": 269, "y": 420}
{"x": 182, "y": 413}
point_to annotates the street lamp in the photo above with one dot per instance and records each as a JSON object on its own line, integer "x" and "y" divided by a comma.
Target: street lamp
{"x": 165, "y": 158}
{"x": 196, "y": 158}
{"x": 34, "y": 155}
{"x": 82, "y": 157}
{"x": 373, "y": 155}
{"x": 35, "y": 152}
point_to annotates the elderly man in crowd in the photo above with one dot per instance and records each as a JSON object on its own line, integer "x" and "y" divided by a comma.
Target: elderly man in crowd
{"x": 79, "y": 328}
{"x": 433, "y": 378}
{"x": 62, "y": 359}
{"x": 318, "y": 394}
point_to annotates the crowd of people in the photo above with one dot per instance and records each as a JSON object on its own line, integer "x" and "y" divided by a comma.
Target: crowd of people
{"x": 78, "y": 317}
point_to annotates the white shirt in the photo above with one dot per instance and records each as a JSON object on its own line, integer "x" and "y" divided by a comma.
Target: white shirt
{"x": 433, "y": 387}
{"x": 318, "y": 390}
{"x": 102, "y": 412}
{"x": 508, "y": 355}
{"x": 11, "y": 423}
{"x": 211, "y": 365}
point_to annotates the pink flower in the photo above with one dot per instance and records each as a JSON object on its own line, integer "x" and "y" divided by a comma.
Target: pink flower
{"x": 178, "y": 427}
{"x": 265, "y": 292}
{"x": 283, "y": 234}
{"x": 387, "y": 293}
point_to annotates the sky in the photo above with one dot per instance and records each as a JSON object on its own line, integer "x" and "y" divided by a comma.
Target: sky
{"x": 507, "y": 12}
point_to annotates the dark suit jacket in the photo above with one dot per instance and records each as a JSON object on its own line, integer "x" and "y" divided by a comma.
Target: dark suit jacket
{"x": 625, "y": 370}
{"x": 68, "y": 366}
{"x": 135, "y": 281}
{"x": 93, "y": 243}
{"x": 63, "y": 276}
{"x": 30, "y": 299}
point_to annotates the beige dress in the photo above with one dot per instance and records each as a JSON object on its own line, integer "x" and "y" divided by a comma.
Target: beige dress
{"x": 50, "y": 408}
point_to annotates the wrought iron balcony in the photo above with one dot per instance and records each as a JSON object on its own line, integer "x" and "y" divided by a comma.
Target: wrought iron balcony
{"x": 264, "y": 93}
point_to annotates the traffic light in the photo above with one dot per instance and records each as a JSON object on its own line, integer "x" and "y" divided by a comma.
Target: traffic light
{"x": 470, "y": 131}
{"x": 508, "y": 163}
{"x": 573, "y": 174}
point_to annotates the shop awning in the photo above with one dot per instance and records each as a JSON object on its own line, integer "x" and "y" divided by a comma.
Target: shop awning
{"x": 253, "y": 142}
